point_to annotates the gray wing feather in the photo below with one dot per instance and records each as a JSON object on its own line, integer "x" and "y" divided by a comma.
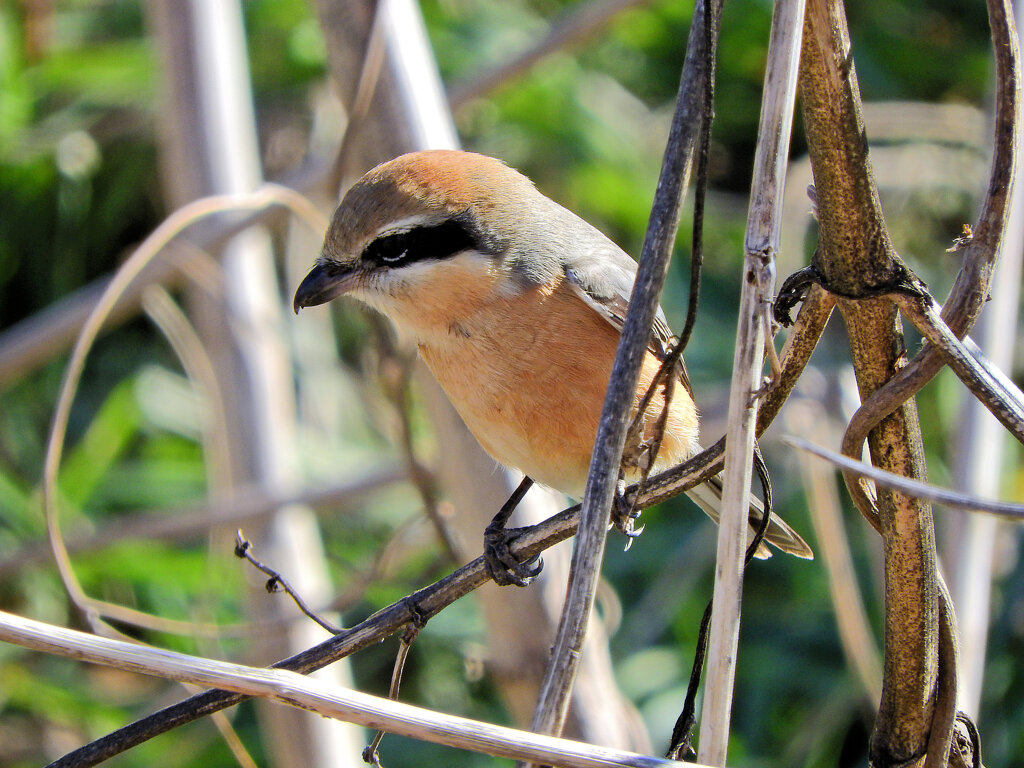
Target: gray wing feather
{"x": 603, "y": 278}
{"x": 602, "y": 275}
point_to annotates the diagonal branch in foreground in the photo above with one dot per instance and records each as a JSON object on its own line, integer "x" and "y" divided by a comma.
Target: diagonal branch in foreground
{"x": 602, "y": 478}
{"x": 328, "y": 700}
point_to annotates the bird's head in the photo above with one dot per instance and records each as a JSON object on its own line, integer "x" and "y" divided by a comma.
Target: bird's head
{"x": 428, "y": 233}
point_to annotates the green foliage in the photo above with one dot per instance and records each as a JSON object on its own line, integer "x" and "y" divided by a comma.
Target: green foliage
{"x": 79, "y": 186}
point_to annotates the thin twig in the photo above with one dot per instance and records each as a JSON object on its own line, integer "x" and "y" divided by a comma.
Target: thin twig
{"x": 978, "y": 460}
{"x": 276, "y": 582}
{"x": 672, "y": 366}
{"x": 915, "y": 488}
{"x": 680, "y": 746}
{"x": 412, "y": 631}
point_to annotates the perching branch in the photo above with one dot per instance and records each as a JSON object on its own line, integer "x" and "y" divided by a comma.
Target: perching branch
{"x": 434, "y": 598}
{"x": 428, "y": 602}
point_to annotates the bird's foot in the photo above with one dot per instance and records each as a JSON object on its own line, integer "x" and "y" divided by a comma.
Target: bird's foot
{"x": 502, "y": 564}
{"x": 624, "y": 514}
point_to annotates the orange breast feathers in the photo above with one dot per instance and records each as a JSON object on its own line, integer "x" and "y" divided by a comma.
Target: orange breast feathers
{"x": 528, "y": 374}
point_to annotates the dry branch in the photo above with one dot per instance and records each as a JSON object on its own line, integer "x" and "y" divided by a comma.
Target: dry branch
{"x": 969, "y": 292}
{"x": 996, "y": 392}
{"x": 761, "y": 244}
{"x": 427, "y": 601}
{"x": 919, "y": 490}
{"x": 320, "y": 697}
{"x": 588, "y": 549}
{"x": 856, "y": 259}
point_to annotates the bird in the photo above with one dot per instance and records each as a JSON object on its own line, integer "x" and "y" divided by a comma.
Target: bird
{"x": 516, "y": 306}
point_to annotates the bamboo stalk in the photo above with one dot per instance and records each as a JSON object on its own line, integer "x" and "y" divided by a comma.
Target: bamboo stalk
{"x": 762, "y": 241}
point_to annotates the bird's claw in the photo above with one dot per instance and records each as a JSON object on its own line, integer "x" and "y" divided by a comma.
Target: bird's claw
{"x": 624, "y": 515}
{"x": 502, "y": 564}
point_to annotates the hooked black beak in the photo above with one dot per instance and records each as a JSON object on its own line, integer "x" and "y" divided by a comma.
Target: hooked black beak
{"x": 324, "y": 282}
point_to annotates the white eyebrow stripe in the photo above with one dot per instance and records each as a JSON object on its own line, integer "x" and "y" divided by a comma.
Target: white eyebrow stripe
{"x": 407, "y": 224}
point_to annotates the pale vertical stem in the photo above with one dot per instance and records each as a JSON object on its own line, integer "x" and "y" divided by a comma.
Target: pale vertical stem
{"x": 211, "y": 147}
{"x": 980, "y": 459}
{"x": 762, "y": 241}
{"x": 418, "y": 84}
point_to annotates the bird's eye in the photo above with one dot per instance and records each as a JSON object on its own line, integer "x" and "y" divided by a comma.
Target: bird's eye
{"x": 438, "y": 241}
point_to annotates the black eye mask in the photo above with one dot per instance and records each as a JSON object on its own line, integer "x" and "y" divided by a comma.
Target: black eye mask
{"x": 421, "y": 243}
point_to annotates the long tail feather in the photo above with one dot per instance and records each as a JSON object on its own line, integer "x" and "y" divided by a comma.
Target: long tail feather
{"x": 708, "y": 496}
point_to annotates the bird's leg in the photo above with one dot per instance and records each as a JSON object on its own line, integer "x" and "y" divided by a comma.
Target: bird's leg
{"x": 504, "y": 568}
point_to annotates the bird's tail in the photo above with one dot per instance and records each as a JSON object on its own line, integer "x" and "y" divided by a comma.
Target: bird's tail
{"x": 708, "y": 496}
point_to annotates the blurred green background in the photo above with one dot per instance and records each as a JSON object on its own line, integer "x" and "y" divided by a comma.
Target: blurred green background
{"x": 79, "y": 187}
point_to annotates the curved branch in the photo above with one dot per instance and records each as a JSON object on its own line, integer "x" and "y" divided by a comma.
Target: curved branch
{"x": 991, "y": 389}
{"x": 970, "y": 289}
